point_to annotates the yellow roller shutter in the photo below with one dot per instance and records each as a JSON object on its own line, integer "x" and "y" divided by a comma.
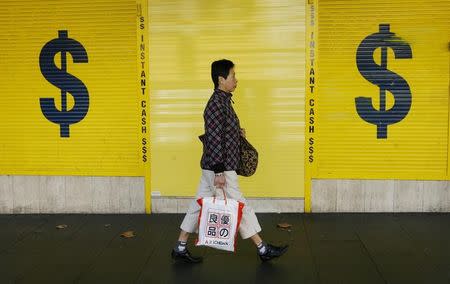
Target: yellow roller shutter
{"x": 69, "y": 102}
{"x": 382, "y": 100}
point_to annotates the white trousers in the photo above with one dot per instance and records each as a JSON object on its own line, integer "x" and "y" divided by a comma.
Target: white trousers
{"x": 249, "y": 224}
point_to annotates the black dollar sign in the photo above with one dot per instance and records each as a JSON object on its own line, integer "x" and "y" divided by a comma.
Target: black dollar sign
{"x": 384, "y": 78}
{"x": 64, "y": 81}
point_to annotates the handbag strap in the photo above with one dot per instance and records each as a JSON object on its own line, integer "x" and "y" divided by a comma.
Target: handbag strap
{"x": 224, "y": 196}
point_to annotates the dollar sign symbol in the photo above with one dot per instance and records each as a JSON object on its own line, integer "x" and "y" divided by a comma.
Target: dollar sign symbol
{"x": 384, "y": 78}
{"x": 64, "y": 81}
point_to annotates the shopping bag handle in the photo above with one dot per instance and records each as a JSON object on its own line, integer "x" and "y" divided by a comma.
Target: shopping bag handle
{"x": 224, "y": 196}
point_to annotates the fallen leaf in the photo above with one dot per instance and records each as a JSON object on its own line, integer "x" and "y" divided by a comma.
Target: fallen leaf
{"x": 62, "y": 226}
{"x": 128, "y": 234}
{"x": 284, "y": 225}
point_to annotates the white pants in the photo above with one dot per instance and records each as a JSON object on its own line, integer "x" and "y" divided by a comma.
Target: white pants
{"x": 249, "y": 224}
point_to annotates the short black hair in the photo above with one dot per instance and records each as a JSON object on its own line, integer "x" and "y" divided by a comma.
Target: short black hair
{"x": 220, "y": 68}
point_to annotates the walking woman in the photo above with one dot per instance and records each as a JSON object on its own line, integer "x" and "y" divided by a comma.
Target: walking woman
{"x": 219, "y": 163}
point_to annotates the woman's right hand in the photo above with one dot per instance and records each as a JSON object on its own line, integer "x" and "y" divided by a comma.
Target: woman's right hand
{"x": 219, "y": 181}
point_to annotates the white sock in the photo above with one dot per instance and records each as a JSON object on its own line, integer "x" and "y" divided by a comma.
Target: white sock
{"x": 181, "y": 246}
{"x": 262, "y": 248}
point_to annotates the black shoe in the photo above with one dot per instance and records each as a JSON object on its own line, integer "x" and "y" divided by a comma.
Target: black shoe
{"x": 272, "y": 252}
{"x": 185, "y": 257}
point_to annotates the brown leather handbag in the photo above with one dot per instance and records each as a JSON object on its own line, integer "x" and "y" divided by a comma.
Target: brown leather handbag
{"x": 249, "y": 158}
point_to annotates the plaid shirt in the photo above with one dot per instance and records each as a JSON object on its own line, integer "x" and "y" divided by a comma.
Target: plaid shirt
{"x": 222, "y": 134}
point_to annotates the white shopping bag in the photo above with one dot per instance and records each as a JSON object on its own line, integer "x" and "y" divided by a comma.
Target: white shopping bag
{"x": 218, "y": 222}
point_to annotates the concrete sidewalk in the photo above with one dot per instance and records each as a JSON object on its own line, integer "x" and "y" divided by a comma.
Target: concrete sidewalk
{"x": 324, "y": 248}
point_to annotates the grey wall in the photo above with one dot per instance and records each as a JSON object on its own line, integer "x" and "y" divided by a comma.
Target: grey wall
{"x": 71, "y": 194}
{"x": 78, "y": 194}
{"x": 331, "y": 195}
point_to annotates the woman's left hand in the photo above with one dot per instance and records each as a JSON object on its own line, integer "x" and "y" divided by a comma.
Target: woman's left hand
{"x": 243, "y": 132}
